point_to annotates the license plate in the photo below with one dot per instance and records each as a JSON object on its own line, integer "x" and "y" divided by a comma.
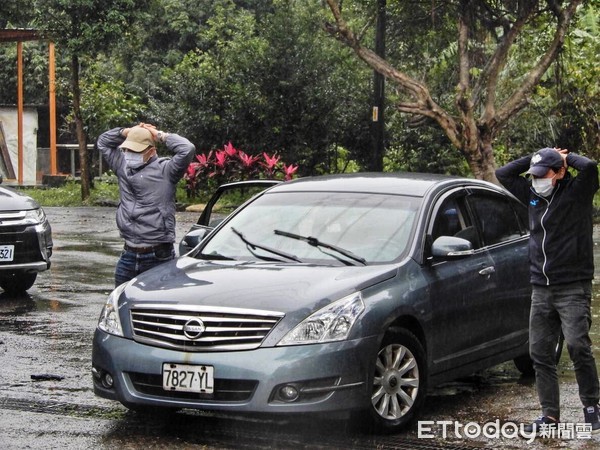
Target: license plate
{"x": 7, "y": 252}
{"x": 188, "y": 378}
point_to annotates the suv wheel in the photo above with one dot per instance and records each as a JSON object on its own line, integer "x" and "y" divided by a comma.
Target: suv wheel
{"x": 17, "y": 283}
{"x": 399, "y": 381}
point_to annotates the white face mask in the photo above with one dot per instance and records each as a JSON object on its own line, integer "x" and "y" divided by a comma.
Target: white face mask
{"x": 133, "y": 159}
{"x": 542, "y": 186}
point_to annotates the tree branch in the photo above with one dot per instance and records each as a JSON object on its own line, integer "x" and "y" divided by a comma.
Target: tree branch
{"x": 489, "y": 77}
{"x": 519, "y": 99}
{"x": 426, "y": 105}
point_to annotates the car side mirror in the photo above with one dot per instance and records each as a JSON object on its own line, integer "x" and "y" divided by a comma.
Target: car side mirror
{"x": 451, "y": 247}
{"x": 193, "y": 238}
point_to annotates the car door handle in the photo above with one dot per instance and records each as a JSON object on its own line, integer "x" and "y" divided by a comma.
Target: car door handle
{"x": 487, "y": 271}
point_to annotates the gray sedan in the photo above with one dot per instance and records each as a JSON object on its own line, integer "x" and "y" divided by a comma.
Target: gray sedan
{"x": 351, "y": 293}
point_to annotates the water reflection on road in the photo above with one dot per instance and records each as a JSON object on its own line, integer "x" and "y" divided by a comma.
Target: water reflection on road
{"x": 45, "y": 349}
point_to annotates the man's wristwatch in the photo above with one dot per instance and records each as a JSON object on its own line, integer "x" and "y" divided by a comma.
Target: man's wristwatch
{"x": 162, "y": 136}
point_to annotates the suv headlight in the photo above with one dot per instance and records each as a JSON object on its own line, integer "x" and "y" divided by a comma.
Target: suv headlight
{"x": 332, "y": 323}
{"x": 109, "y": 317}
{"x": 34, "y": 216}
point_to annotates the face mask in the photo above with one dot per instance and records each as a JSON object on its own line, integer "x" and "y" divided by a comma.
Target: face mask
{"x": 133, "y": 159}
{"x": 542, "y": 186}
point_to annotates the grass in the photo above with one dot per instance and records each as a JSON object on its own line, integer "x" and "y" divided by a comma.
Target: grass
{"x": 104, "y": 192}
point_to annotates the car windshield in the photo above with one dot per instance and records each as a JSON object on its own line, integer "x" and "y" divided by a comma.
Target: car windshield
{"x": 318, "y": 228}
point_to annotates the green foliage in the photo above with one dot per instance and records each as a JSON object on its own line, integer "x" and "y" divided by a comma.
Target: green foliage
{"x": 106, "y": 103}
{"x": 263, "y": 74}
{"x": 273, "y": 81}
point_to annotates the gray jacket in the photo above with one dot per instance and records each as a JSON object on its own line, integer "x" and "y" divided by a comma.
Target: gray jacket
{"x": 146, "y": 212}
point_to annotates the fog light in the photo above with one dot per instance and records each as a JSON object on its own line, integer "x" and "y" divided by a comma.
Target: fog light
{"x": 107, "y": 381}
{"x": 288, "y": 393}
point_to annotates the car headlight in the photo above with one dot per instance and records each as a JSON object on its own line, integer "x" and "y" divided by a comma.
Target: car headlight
{"x": 332, "y": 323}
{"x": 34, "y": 216}
{"x": 109, "y": 317}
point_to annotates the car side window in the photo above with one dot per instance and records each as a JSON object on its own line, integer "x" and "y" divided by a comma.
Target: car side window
{"x": 452, "y": 219}
{"x": 496, "y": 218}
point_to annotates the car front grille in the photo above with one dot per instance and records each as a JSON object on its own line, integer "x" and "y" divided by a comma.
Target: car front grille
{"x": 225, "y": 390}
{"x": 197, "y": 329}
{"x": 27, "y": 247}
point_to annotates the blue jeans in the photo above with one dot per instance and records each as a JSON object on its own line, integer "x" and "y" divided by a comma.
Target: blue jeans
{"x": 131, "y": 264}
{"x": 565, "y": 307}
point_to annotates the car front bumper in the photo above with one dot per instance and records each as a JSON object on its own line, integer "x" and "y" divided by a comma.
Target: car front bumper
{"x": 329, "y": 377}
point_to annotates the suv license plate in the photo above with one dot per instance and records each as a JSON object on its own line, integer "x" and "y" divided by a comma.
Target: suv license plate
{"x": 188, "y": 378}
{"x": 7, "y": 252}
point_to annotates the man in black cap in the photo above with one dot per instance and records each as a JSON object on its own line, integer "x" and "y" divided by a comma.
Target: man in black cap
{"x": 562, "y": 269}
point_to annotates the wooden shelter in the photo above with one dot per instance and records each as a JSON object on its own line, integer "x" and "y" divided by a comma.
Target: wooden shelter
{"x": 19, "y": 36}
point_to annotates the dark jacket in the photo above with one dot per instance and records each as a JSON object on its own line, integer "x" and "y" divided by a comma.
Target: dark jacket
{"x": 146, "y": 212}
{"x": 560, "y": 244}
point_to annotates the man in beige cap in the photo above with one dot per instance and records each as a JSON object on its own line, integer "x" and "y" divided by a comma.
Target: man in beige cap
{"x": 147, "y": 185}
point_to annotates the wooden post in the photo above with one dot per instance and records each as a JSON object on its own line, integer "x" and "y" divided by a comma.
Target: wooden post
{"x": 20, "y": 111}
{"x": 52, "y": 107}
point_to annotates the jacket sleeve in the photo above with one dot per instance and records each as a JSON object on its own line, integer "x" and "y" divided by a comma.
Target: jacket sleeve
{"x": 184, "y": 152}
{"x": 510, "y": 177}
{"x": 586, "y": 181}
{"x": 108, "y": 144}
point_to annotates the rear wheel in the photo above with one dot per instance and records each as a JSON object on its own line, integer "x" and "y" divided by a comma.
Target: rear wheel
{"x": 17, "y": 283}
{"x": 399, "y": 381}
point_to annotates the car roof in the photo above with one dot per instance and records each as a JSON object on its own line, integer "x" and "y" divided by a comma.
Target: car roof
{"x": 397, "y": 183}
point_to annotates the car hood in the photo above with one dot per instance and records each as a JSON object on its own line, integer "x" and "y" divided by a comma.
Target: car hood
{"x": 14, "y": 201}
{"x": 285, "y": 288}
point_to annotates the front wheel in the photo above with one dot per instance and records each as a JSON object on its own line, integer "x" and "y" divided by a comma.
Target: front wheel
{"x": 399, "y": 381}
{"x": 17, "y": 283}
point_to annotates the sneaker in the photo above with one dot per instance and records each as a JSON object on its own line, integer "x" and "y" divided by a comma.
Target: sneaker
{"x": 543, "y": 427}
{"x": 591, "y": 415}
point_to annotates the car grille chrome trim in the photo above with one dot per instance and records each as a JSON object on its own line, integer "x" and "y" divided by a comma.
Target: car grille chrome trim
{"x": 226, "y": 329}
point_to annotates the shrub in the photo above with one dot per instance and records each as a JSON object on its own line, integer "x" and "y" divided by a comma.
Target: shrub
{"x": 210, "y": 170}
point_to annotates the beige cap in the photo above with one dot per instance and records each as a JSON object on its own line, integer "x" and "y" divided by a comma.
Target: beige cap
{"x": 138, "y": 139}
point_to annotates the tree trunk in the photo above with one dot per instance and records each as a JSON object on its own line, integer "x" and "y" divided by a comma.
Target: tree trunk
{"x": 481, "y": 161}
{"x": 80, "y": 131}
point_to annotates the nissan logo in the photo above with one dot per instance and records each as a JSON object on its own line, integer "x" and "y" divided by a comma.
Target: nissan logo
{"x": 193, "y": 329}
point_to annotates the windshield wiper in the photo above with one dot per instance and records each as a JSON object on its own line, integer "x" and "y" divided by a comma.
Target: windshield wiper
{"x": 252, "y": 246}
{"x": 316, "y": 243}
{"x": 214, "y": 256}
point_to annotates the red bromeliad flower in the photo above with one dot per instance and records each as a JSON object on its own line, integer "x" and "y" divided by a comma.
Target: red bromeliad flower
{"x": 203, "y": 159}
{"x": 191, "y": 170}
{"x": 230, "y": 150}
{"x": 220, "y": 159}
{"x": 247, "y": 160}
{"x": 270, "y": 161}
{"x": 289, "y": 171}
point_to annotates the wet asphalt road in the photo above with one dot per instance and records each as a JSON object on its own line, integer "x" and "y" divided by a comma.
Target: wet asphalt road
{"x": 46, "y": 397}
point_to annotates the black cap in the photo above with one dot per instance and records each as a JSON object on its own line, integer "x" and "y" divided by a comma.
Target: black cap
{"x": 544, "y": 160}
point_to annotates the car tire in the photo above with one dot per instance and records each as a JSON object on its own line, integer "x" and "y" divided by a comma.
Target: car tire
{"x": 17, "y": 283}
{"x": 525, "y": 365}
{"x": 399, "y": 383}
